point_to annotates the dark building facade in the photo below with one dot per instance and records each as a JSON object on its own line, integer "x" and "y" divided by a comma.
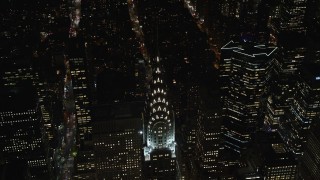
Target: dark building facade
{"x": 276, "y": 161}
{"x": 208, "y": 137}
{"x": 292, "y": 13}
{"x": 21, "y": 131}
{"x": 304, "y": 109}
{"x": 268, "y": 158}
{"x": 247, "y": 71}
{"x": 278, "y": 101}
{"x": 117, "y": 140}
{"x": 79, "y": 78}
{"x": 310, "y": 162}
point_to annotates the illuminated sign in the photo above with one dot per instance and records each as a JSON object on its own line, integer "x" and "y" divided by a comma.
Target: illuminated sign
{"x": 318, "y": 78}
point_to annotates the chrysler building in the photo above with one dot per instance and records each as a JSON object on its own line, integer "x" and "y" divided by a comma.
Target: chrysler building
{"x": 159, "y": 137}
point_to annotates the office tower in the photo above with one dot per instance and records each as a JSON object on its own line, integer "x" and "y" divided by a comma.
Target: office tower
{"x": 208, "y": 136}
{"x": 279, "y": 163}
{"x": 249, "y": 14}
{"x": 251, "y": 67}
{"x": 274, "y": 11}
{"x": 225, "y": 70}
{"x": 244, "y": 10}
{"x": 140, "y": 78}
{"x": 266, "y": 10}
{"x": 189, "y": 123}
{"x": 292, "y": 13}
{"x": 268, "y": 159}
{"x": 12, "y": 75}
{"x": 230, "y": 8}
{"x": 117, "y": 139}
{"x": 289, "y": 17}
{"x": 288, "y": 32}
{"x": 275, "y": 111}
{"x": 310, "y": 161}
{"x": 80, "y": 90}
{"x": 21, "y": 130}
{"x": 278, "y": 102}
{"x": 304, "y": 109}
{"x": 292, "y": 52}
{"x": 159, "y": 130}
{"x": 18, "y": 73}
{"x": 84, "y": 163}
{"x": 78, "y": 70}
{"x": 284, "y": 171}
{"x": 77, "y": 87}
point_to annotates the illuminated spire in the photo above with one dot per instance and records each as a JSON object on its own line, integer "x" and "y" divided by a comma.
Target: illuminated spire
{"x": 160, "y": 125}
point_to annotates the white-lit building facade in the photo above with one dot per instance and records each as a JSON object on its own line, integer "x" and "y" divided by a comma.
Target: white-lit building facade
{"x": 159, "y": 129}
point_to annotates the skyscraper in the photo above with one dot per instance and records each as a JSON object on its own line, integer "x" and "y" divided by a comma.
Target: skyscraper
{"x": 21, "y": 132}
{"x": 79, "y": 75}
{"x": 292, "y": 13}
{"x": 80, "y": 89}
{"x": 208, "y": 136}
{"x": 23, "y": 125}
{"x": 230, "y": 8}
{"x": 117, "y": 139}
{"x": 278, "y": 101}
{"x": 292, "y": 52}
{"x": 288, "y": 32}
{"x": 289, "y": 17}
{"x": 304, "y": 109}
{"x": 268, "y": 159}
{"x": 159, "y": 132}
{"x": 310, "y": 161}
{"x": 250, "y": 70}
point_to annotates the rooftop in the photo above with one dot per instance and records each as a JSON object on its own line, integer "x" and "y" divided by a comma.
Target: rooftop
{"x": 117, "y": 111}
{"x": 272, "y": 149}
{"x": 120, "y": 117}
{"x": 292, "y": 40}
{"x": 250, "y": 49}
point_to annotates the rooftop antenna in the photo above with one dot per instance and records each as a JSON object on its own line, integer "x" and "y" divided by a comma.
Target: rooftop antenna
{"x": 157, "y": 34}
